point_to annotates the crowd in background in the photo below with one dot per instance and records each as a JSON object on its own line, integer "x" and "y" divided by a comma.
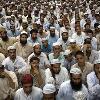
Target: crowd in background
{"x": 49, "y": 50}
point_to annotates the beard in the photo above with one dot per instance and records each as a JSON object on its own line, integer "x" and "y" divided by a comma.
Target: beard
{"x": 23, "y": 42}
{"x": 5, "y": 38}
{"x": 52, "y": 34}
{"x": 76, "y": 87}
{"x": 37, "y": 53}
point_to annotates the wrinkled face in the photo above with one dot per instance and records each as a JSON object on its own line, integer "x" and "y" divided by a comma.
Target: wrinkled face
{"x": 12, "y": 53}
{"x": 80, "y": 59}
{"x": 49, "y": 96}
{"x": 56, "y": 49}
{"x": 37, "y": 49}
{"x": 65, "y": 36}
{"x": 23, "y": 39}
{"x": 35, "y": 63}
{"x": 56, "y": 68}
{"x": 27, "y": 88}
{"x": 97, "y": 70}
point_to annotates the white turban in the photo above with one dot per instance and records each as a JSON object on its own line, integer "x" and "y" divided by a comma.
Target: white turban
{"x": 11, "y": 48}
{"x": 75, "y": 71}
{"x": 49, "y": 88}
{"x": 35, "y": 44}
{"x": 67, "y": 52}
{"x": 97, "y": 61}
{"x": 55, "y": 61}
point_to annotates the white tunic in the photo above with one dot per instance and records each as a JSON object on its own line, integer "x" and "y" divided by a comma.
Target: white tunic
{"x": 36, "y": 94}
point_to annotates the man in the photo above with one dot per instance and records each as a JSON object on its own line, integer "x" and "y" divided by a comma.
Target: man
{"x": 13, "y": 62}
{"x": 8, "y": 83}
{"x": 59, "y": 73}
{"x": 13, "y": 32}
{"x": 64, "y": 39}
{"x": 5, "y": 42}
{"x": 49, "y": 92}
{"x": 37, "y": 73}
{"x": 69, "y": 60}
{"x": 90, "y": 55}
{"x": 84, "y": 66}
{"x": 73, "y": 89}
{"x": 56, "y": 54}
{"x": 93, "y": 81}
{"x": 23, "y": 49}
{"x": 90, "y": 33}
{"x": 79, "y": 36}
{"x": 52, "y": 36}
{"x": 73, "y": 47}
{"x": 33, "y": 37}
{"x": 46, "y": 48}
{"x": 44, "y": 62}
{"x": 28, "y": 91}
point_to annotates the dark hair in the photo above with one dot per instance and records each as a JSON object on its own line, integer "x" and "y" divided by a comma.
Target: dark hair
{"x": 89, "y": 31}
{"x": 86, "y": 24}
{"x": 33, "y": 31}
{"x": 34, "y": 58}
{"x": 96, "y": 25}
{"x": 79, "y": 53}
{"x": 87, "y": 41}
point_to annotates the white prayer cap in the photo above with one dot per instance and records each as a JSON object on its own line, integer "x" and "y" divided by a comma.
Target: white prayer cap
{"x": 44, "y": 39}
{"x": 35, "y": 44}
{"x": 97, "y": 61}
{"x": 64, "y": 31}
{"x": 11, "y": 48}
{"x": 56, "y": 44}
{"x": 67, "y": 52}
{"x": 52, "y": 27}
{"x": 86, "y": 13}
{"x": 75, "y": 71}
{"x": 99, "y": 26}
{"x": 49, "y": 89}
{"x": 55, "y": 61}
{"x": 72, "y": 40}
{"x": 23, "y": 32}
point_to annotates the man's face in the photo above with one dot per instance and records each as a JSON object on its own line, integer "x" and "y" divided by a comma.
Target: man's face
{"x": 80, "y": 60}
{"x": 34, "y": 63}
{"x": 76, "y": 81}
{"x": 12, "y": 53}
{"x": 65, "y": 36}
{"x": 4, "y": 36}
{"x": 27, "y": 88}
{"x": 78, "y": 30}
{"x": 56, "y": 49}
{"x": 37, "y": 49}
{"x": 24, "y": 25}
{"x": 52, "y": 32}
{"x": 88, "y": 48}
{"x": 69, "y": 57}
{"x": 97, "y": 70}
{"x": 56, "y": 68}
{"x": 23, "y": 39}
{"x": 49, "y": 96}
{"x": 34, "y": 36}
{"x": 45, "y": 43}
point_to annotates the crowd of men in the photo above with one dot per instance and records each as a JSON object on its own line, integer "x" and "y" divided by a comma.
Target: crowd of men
{"x": 49, "y": 49}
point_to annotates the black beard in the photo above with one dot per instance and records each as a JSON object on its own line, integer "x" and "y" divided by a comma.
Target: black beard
{"x": 37, "y": 53}
{"x": 23, "y": 42}
{"x": 52, "y": 35}
{"x": 65, "y": 40}
{"x": 5, "y": 38}
{"x": 76, "y": 87}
